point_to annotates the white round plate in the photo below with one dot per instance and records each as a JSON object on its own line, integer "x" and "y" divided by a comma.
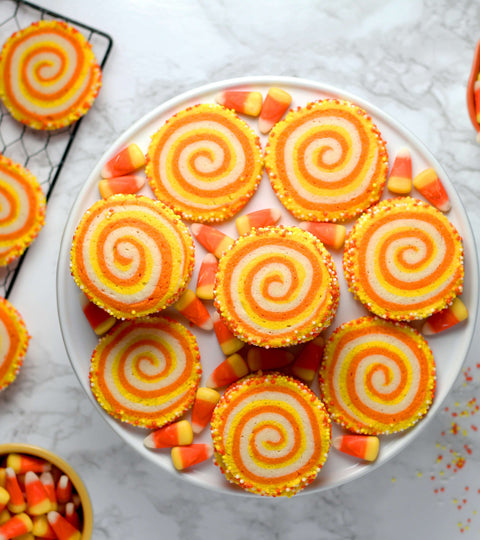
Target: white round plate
{"x": 449, "y": 348}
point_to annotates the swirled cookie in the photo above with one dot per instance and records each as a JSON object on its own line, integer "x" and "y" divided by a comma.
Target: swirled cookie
{"x": 327, "y": 161}
{"x": 276, "y": 286}
{"x": 377, "y": 376}
{"x": 271, "y": 434}
{"x": 146, "y": 372}
{"x": 22, "y": 209}
{"x": 403, "y": 259}
{"x": 205, "y": 163}
{"x": 131, "y": 255}
{"x": 14, "y": 339}
{"x": 49, "y": 77}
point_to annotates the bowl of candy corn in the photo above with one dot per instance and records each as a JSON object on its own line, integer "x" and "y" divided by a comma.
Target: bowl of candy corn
{"x": 41, "y": 494}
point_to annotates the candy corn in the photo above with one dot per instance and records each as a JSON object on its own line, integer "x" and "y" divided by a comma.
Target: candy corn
{"x": 120, "y": 184}
{"x": 446, "y": 318}
{"x": 400, "y": 179}
{"x": 362, "y": 446}
{"x": 212, "y": 239}
{"x": 71, "y": 515}
{"x": 259, "y": 358}
{"x": 63, "y": 529}
{"x": 191, "y": 307}
{"x": 206, "y": 277}
{"x": 227, "y": 341}
{"x": 42, "y": 529}
{"x": 21, "y": 463}
{"x": 2, "y": 476}
{"x": 187, "y": 456}
{"x": 259, "y": 218}
{"x": 63, "y": 490}
{"x": 242, "y": 101}
{"x": 177, "y": 434}
{"x": 49, "y": 485}
{"x": 37, "y": 498}
{"x": 15, "y": 526}
{"x": 476, "y": 98}
{"x": 306, "y": 364}
{"x": 99, "y": 319}
{"x": 205, "y": 401}
{"x": 17, "y": 502}
{"x": 4, "y": 498}
{"x": 125, "y": 161}
{"x": 430, "y": 186}
{"x": 230, "y": 370}
{"x": 274, "y": 107}
{"x": 331, "y": 234}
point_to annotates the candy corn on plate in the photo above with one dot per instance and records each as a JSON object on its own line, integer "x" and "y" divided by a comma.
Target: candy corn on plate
{"x": 214, "y": 160}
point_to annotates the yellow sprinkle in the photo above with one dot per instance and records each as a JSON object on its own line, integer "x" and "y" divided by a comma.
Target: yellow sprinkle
{"x": 419, "y": 474}
{"x": 441, "y": 473}
{"x": 394, "y": 479}
{"x": 455, "y": 501}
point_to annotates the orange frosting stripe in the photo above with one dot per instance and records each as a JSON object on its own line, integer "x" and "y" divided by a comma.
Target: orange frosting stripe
{"x": 205, "y": 163}
{"x": 146, "y": 372}
{"x": 276, "y": 286}
{"x": 23, "y": 209}
{"x": 271, "y": 434}
{"x": 49, "y": 75}
{"x": 403, "y": 259}
{"x": 377, "y": 376}
{"x": 326, "y": 161}
{"x": 131, "y": 255}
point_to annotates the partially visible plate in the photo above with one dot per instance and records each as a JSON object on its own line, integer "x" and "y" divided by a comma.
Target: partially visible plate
{"x": 449, "y": 348}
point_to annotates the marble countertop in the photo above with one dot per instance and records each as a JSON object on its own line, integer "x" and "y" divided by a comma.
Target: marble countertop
{"x": 411, "y": 59}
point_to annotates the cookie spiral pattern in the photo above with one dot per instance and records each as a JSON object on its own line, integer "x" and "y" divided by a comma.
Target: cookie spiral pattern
{"x": 131, "y": 255}
{"x": 48, "y": 75}
{"x": 14, "y": 340}
{"x": 146, "y": 372}
{"x": 377, "y": 376}
{"x": 276, "y": 286}
{"x": 327, "y": 161}
{"x": 404, "y": 260}
{"x": 22, "y": 209}
{"x": 205, "y": 163}
{"x": 271, "y": 435}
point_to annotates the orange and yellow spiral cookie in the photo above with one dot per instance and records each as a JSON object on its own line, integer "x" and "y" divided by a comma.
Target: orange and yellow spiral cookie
{"x": 146, "y": 372}
{"x": 205, "y": 163}
{"x": 22, "y": 209}
{"x": 49, "y": 76}
{"x": 327, "y": 161}
{"x": 271, "y": 434}
{"x": 276, "y": 286}
{"x": 403, "y": 260}
{"x": 14, "y": 340}
{"x": 377, "y": 376}
{"x": 131, "y": 255}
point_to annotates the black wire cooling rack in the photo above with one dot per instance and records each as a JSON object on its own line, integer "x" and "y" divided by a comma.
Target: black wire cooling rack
{"x": 43, "y": 153}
